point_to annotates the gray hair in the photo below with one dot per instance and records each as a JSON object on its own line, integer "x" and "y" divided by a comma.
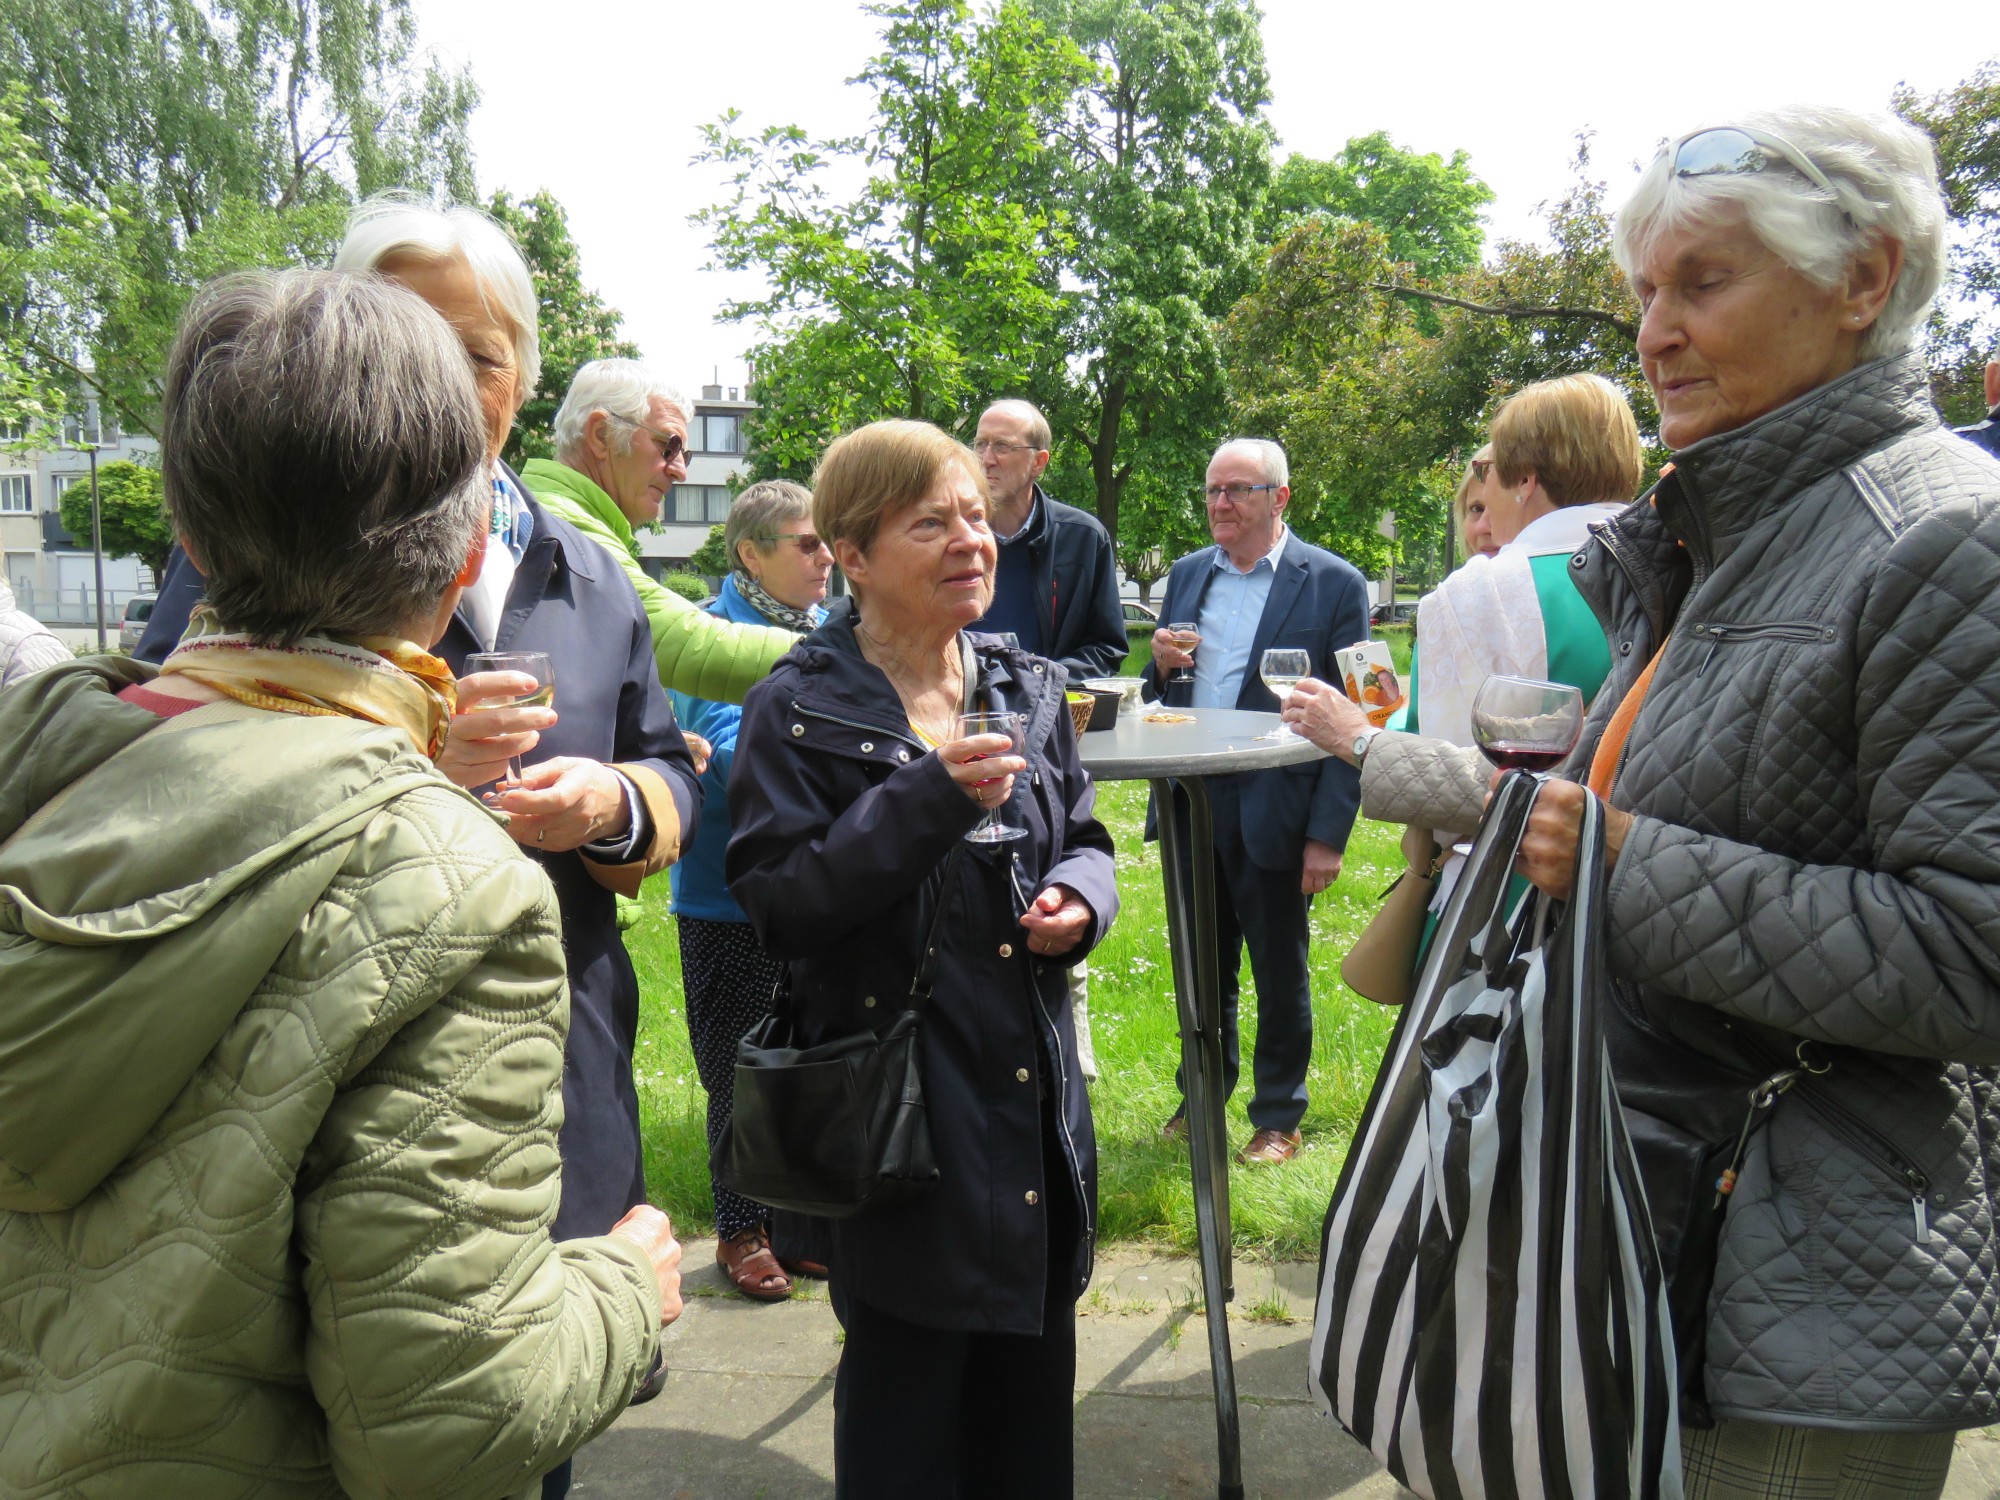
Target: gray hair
{"x": 322, "y": 451}
{"x": 622, "y": 388}
{"x": 403, "y": 224}
{"x": 1271, "y": 460}
{"x": 766, "y": 505}
{"x": 1885, "y": 177}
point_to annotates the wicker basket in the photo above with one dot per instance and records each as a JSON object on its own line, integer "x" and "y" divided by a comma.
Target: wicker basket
{"x": 1081, "y": 706}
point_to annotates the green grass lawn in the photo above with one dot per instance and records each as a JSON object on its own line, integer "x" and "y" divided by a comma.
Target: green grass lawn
{"x": 1144, "y": 1192}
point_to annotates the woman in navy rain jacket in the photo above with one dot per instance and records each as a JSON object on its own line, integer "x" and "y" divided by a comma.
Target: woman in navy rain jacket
{"x": 851, "y": 788}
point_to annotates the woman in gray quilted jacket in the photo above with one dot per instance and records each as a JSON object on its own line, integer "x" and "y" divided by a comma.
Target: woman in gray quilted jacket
{"x": 1800, "y": 747}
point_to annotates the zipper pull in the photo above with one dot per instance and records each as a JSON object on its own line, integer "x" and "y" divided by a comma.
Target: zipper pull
{"x": 1919, "y": 1185}
{"x": 1762, "y": 1098}
{"x": 1713, "y": 647}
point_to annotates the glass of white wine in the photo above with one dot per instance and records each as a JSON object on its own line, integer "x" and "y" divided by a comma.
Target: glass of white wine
{"x": 1283, "y": 669}
{"x": 535, "y": 664}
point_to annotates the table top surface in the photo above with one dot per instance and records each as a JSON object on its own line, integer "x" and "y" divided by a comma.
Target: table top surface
{"x": 1218, "y": 742}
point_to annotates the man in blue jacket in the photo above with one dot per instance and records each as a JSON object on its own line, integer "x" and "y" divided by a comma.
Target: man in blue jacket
{"x": 1987, "y": 433}
{"x": 1279, "y": 834}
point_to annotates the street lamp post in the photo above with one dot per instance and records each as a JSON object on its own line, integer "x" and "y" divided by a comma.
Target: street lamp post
{"x": 97, "y": 541}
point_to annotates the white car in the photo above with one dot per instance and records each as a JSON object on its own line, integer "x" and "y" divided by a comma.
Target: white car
{"x": 132, "y": 627}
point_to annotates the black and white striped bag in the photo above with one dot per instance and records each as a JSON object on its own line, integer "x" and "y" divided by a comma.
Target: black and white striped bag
{"x": 1492, "y": 1321}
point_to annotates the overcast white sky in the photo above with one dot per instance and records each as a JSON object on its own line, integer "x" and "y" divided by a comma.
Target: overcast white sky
{"x": 600, "y": 102}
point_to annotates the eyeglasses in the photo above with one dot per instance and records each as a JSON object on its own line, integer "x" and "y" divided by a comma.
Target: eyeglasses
{"x": 993, "y": 445}
{"x": 1731, "y": 149}
{"x": 805, "y": 541}
{"x": 1235, "y": 493}
{"x": 672, "y": 445}
{"x": 1481, "y": 467}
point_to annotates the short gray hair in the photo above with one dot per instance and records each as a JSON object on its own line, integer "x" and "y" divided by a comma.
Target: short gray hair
{"x": 1029, "y": 413}
{"x": 767, "y": 504}
{"x": 1270, "y": 456}
{"x": 1884, "y": 172}
{"x": 622, "y": 388}
{"x": 403, "y": 224}
{"x": 322, "y": 451}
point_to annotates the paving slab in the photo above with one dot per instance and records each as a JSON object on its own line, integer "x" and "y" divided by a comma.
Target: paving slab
{"x": 748, "y": 1407}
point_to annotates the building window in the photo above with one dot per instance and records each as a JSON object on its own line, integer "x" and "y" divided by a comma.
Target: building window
{"x": 701, "y": 504}
{"x": 17, "y": 494}
{"x": 59, "y": 486}
{"x": 722, "y": 434}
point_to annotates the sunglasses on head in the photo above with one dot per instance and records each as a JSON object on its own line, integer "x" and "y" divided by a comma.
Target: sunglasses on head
{"x": 1730, "y": 150}
{"x": 1481, "y": 467}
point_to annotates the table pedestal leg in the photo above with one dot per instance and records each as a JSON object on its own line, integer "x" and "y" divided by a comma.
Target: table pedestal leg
{"x": 1190, "y": 893}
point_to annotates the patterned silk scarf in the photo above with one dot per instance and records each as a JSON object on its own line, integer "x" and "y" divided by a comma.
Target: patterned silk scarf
{"x": 784, "y": 616}
{"x": 376, "y": 678}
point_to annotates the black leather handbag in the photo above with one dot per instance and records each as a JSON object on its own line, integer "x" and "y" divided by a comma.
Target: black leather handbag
{"x": 838, "y": 1128}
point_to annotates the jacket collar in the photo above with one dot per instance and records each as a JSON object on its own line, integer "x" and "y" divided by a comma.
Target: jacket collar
{"x": 575, "y": 486}
{"x": 1723, "y": 485}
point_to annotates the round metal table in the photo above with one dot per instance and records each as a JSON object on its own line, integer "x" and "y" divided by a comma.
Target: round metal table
{"x": 1218, "y": 742}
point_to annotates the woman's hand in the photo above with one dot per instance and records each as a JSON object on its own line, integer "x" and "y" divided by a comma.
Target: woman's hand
{"x": 1056, "y": 921}
{"x": 984, "y": 766}
{"x": 702, "y": 751}
{"x": 1548, "y": 849}
{"x": 1326, "y": 716}
{"x": 562, "y": 803}
{"x": 652, "y": 1232}
{"x": 489, "y": 727}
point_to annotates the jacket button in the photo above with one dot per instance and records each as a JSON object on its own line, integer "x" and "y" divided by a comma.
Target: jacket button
{"x": 868, "y": 1000}
{"x": 1033, "y": 1197}
{"x": 902, "y": 755}
{"x": 867, "y": 747}
{"x": 1038, "y": 666}
{"x": 1624, "y": 648}
{"x": 1020, "y": 1075}
{"x": 1006, "y": 950}
{"x": 798, "y": 730}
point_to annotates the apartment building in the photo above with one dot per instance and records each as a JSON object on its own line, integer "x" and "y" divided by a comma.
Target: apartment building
{"x": 53, "y": 573}
{"x": 715, "y": 474}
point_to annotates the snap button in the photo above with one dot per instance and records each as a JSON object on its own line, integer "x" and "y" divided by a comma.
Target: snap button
{"x": 902, "y": 755}
{"x": 1701, "y": 630}
{"x": 868, "y": 1000}
{"x": 1038, "y": 667}
{"x": 1020, "y": 1075}
{"x": 1006, "y": 950}
{"x": 867, "y": 746}
{"x": 797, "y": 730}
{"x": 1033, "y": 1197}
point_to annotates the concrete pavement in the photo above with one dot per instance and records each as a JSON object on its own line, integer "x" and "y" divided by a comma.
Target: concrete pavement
{"x": 748, "y": 1408}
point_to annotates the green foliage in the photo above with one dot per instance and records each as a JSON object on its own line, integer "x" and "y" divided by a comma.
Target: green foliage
{"x": 574, "y": 324}
{"x": 131, "y": 512}
{"x": 690, "y": 586}
{"x": 1426, "y": 206}
{"x": 711, "y": 558}
{"x": 933, "y": 284}
{"x": 209, "y": 139}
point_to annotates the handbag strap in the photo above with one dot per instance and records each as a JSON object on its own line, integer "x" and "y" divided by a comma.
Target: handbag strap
{"x": 927, "y": 964}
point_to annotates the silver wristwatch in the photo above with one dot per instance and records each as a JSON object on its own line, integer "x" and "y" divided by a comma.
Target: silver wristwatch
{"x": 1361, "y": 743}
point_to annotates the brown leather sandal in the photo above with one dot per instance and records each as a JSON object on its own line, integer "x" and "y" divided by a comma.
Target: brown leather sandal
{"x": 746, "y": 1259}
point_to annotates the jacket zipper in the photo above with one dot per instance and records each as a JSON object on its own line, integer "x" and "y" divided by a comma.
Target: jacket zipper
{"x": 1720, "y": 635}
{"x": 1879, "y": 1149}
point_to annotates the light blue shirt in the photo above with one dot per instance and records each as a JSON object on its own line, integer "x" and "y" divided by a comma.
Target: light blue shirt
{"x": 1231, "y": 611}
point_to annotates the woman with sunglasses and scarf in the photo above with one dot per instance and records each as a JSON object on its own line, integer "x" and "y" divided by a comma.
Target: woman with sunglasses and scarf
{"x": 1800, "y": 751}
{"x": 778, "y": 578}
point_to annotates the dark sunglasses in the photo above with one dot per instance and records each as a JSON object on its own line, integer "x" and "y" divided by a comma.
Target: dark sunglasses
{"x": 805, "y": 541}
{"x": 672, "y": 446}
{"x": 1729, "y": 150}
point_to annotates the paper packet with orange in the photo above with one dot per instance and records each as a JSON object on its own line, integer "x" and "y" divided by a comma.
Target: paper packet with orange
{"x": 1369, "y": 676}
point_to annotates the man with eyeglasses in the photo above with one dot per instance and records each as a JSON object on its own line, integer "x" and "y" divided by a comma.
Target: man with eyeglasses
{"x": 1279, "y": 834}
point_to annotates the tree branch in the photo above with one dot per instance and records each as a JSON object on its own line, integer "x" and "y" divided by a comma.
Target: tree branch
{"x": 1623, "y": 326}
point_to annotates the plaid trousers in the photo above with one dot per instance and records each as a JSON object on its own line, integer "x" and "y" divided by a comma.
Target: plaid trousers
{"x": 1761, "y": 1461}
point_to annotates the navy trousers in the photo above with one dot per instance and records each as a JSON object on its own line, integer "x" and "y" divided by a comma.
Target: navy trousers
{"x": 1266, "y": 910}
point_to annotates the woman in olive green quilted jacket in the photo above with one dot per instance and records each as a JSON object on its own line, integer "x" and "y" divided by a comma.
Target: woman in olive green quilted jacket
{"x": 280, "y": 1062}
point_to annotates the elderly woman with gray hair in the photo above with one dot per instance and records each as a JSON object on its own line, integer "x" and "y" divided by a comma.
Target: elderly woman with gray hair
{"x": 778, "y": 576}
{"x": 1800, "y": 752}
{"x": 283, "y": 1040}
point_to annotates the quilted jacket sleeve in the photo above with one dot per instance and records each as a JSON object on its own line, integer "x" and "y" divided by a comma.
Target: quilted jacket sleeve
{"x": 456, "y": 1349}
{"x": 1902, "y": 957}
{"x": 1411, "y": 778}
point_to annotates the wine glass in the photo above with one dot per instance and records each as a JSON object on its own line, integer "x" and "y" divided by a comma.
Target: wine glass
{"x": 1185, "y": 635}
{"x": 1522, "y": 724}
{"x": 535, "y": 664}
{"x": 1283, "y": 668}
{"x": 989, "y": 829}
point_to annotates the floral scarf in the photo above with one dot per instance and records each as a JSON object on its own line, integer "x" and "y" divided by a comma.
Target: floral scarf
{"x": 376, "y": 678}
{"x": 784, "y": 616}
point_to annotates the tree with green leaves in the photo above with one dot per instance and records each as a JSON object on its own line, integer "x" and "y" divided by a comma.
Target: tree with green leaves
{"x": 1428, "y": 208}
{"x": 934, "y": 283}
{"x": 131, "y": 509}
{"x": 573, "y": 323}
{"x": 711, "y": 559}
{"x": 213, "y": 138}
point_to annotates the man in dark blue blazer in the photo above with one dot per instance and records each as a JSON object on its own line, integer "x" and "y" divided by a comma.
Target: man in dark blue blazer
{"x": 1279, "y": 834}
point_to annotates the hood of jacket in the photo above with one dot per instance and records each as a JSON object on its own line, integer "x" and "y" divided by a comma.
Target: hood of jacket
{"x": 546, "y": 477}
{"x": 151, "y": 873}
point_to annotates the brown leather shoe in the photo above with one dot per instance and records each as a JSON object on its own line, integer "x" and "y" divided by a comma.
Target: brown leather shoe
{"x": 1270, "y": 1148}
{"x": 1175, "y": 1130}
{"x": 747, "y": 1261}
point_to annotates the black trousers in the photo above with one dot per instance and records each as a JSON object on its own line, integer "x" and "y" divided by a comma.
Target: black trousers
{"x": 727, "y": 977}
{"x": 1266, "y": 910}
{"x": 925, "y": 1414}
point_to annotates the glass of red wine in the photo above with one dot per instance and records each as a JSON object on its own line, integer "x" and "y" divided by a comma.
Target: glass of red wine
{"x": 990, "y": 830}
{"x": 1522, "y": 724}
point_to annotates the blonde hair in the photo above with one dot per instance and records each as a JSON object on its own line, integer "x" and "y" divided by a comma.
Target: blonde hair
{"x": 1575, "y": 434}
{"x": 878, "y": 471}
